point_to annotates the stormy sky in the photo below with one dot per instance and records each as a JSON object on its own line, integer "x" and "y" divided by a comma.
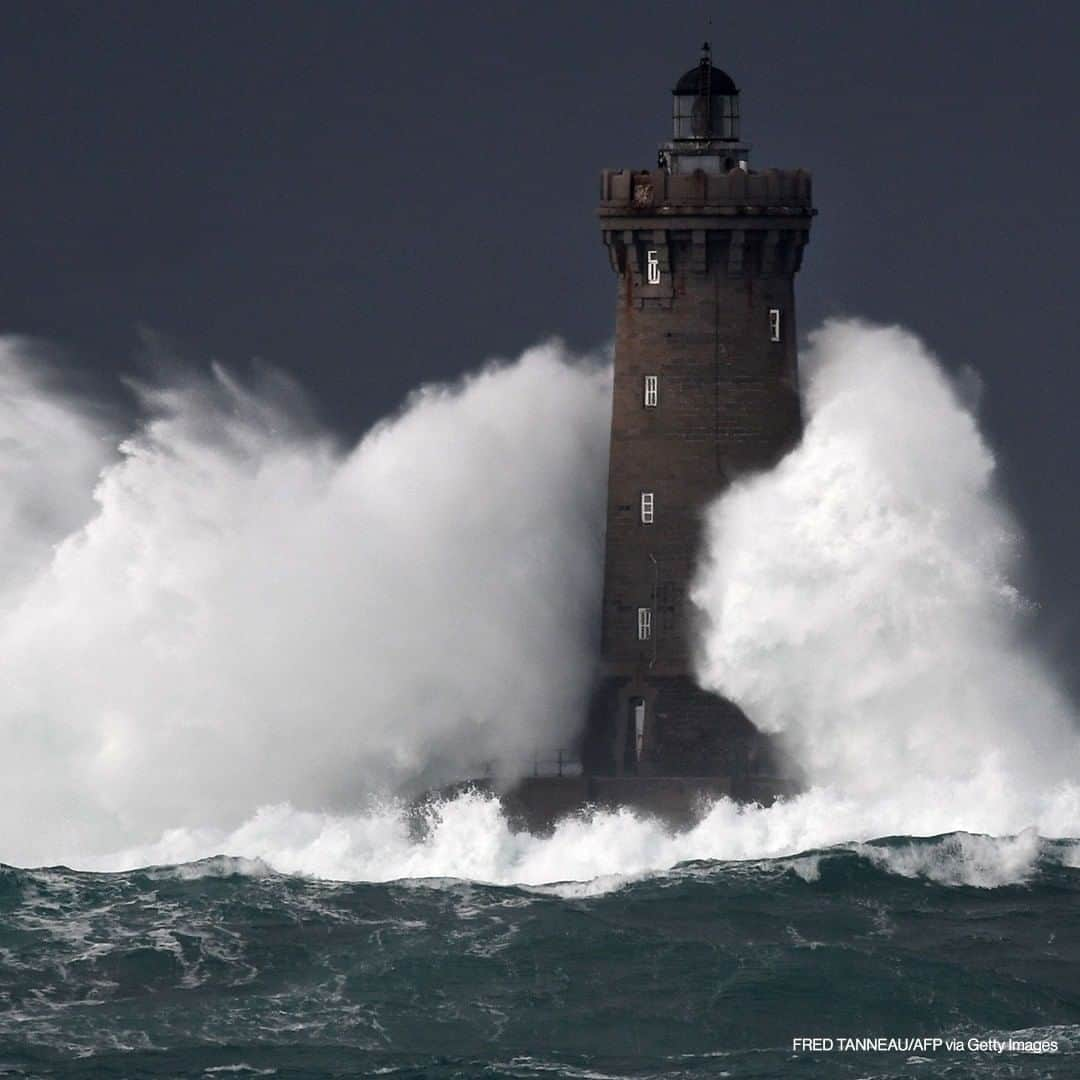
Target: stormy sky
{"x": 374, "y": 195}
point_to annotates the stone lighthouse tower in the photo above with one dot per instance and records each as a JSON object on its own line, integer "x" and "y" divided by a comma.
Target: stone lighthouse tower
{"x": 705, "y": 250}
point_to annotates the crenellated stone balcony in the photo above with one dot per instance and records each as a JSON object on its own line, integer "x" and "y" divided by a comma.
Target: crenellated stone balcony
{"x": 657, "y": 193}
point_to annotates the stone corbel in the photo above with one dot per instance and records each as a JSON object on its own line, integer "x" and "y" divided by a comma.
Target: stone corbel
{"x": 616, "y": 255}
{"x": 769, "y": 252}
{"x": 736, "y": 252}
{"x": 633, "y": 257}
{"x": 798, "y": 245}
{"x": 699, "y": 252}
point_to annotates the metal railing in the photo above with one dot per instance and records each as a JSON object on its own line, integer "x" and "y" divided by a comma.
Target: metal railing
{"x": 560, "y": 762}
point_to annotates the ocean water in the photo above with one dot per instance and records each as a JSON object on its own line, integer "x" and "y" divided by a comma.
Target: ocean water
{"x": 709, "y": 969}
{"x": 228, "y": 641}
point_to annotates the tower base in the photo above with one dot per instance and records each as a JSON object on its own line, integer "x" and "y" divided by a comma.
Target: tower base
{"x": 537, "y": 803}
{"x": 654, "y": 725}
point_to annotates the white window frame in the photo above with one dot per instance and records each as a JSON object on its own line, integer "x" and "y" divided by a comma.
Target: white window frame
{"x": 652, "y": 267}
{"x": 652, "y": 391}
{"x": 644, "y": 623}
{"x": 774, "y": 324}
{"x": 648, "y": 507}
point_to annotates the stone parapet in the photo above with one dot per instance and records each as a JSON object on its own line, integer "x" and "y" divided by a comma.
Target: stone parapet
{"x": 772, "y": 192}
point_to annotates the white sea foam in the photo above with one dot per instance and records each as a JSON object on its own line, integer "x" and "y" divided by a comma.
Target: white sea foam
{"x": 469, "y": 838}
{"x": 807, "y": 867}
{"x": 249, "y": 628}
{"x": 985, "y": 862}
{"x": 241, "y": 1067}
{"x": 217, "y": 866}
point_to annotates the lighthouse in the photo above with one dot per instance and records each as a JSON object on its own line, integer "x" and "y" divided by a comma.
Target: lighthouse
{"x": 704, "y": 249}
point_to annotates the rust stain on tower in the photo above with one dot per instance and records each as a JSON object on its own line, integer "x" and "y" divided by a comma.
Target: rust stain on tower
{"x": 705, "y": 250}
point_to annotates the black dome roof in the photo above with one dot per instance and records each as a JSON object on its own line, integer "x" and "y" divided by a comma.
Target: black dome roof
{"x": 693, "y": 82}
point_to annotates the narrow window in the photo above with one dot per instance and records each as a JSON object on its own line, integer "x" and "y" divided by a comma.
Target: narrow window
{"x": 644, "y": 623}
{"x": 639, "y": 727}
{"x": 646, "y": 508}
{"x": 653, "y": 267}
{"x": 651, "y": 389}
{"x": 774, "y": 324}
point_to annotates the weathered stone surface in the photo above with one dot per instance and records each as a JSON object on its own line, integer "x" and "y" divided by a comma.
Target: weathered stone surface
{"x": 700, "y": 264}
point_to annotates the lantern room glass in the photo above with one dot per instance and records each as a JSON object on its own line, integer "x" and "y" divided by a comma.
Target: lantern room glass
{"x": 690, "y": 122}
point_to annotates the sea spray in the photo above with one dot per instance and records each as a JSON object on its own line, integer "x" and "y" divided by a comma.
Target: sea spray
{"x": 243, "y": 612}
{"x": 860, "y": 600}
{"x": 253, "y": 628}
{"x": 469, "y": 837}
{"x": 53, "y": 445}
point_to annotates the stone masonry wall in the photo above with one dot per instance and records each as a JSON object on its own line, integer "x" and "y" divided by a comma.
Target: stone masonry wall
{"x": 727, "y": 405}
